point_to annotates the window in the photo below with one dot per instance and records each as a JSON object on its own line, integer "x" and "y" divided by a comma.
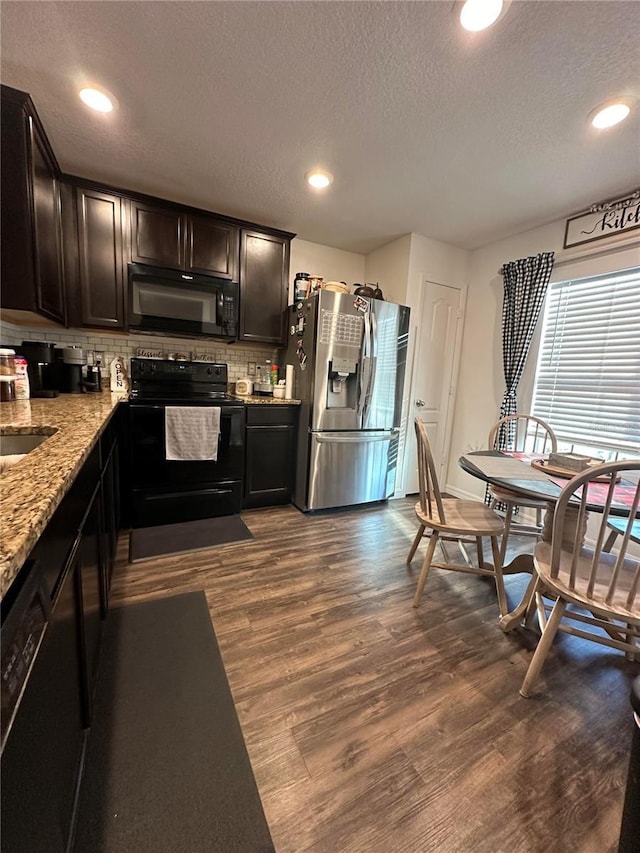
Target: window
{"x": 588, "y": 376}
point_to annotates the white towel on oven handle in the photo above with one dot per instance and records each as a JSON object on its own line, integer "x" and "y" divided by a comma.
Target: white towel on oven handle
{"x": 192, "y": 433}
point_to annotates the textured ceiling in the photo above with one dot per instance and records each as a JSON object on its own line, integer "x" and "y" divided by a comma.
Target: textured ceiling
{"x": 462, "y": 137}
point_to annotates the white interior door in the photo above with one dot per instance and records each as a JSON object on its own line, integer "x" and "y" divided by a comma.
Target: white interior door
{"x": 432, "y": 383}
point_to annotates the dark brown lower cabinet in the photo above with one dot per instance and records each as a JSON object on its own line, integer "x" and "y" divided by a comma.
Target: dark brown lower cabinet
{"x": 44, "y": 746}
{"x": 90, "y": 572}
{"x": 270, "y": 454}
{"x": 43, "y": 753}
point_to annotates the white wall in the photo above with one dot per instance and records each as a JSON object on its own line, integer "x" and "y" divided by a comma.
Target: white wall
{"x": 481, "y": 380}
{"x": 388, "y": 266}
{"x": 331, "y": 264}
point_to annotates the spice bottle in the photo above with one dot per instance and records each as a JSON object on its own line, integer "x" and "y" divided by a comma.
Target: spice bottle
{"x": 7, "y": 375}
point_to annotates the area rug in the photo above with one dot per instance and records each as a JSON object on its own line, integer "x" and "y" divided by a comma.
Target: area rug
{"x": 148, "y": 542}
{"x": 166, "y": 770}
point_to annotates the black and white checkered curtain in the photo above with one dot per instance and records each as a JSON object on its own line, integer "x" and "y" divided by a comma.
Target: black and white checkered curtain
{"x": 525, "y": 285}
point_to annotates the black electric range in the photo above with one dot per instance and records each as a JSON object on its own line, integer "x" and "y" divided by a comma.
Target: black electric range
{"x": 168, "y": 491}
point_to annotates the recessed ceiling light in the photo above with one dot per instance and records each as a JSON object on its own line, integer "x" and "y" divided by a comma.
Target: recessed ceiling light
{"x": 319, "y": 179}
{"x": 611, "y": 112}
{"x": 476, "y": 15}
{"x": 98, "y": 99}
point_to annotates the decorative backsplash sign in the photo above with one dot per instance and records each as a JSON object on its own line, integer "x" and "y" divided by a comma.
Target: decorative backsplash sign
{"x": 617, "y": 216}
{"x": 143, "y": 352}
{"x": 203, "y": 356}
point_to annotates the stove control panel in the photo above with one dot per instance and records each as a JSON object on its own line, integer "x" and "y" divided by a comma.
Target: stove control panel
{"x": 188, "y": 376}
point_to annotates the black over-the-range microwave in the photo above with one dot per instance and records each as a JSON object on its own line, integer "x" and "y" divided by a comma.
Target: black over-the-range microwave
{"x": 172, "y": 302}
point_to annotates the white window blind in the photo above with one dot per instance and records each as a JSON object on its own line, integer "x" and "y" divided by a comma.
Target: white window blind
{"x": 588, "y": 376}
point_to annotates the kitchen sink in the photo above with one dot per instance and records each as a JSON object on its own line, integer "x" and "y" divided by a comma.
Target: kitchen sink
{"x": 25, "y": 443}
{"x": 15, "y": 446}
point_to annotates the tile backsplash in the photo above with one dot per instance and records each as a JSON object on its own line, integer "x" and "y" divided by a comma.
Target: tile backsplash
{"x": 237, "y": 356}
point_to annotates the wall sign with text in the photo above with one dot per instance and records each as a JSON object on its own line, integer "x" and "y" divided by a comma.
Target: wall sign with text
{"x": 617, "y": 216}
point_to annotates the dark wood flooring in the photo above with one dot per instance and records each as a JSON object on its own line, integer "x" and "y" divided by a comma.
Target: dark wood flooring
{"x": 372, "y": 726}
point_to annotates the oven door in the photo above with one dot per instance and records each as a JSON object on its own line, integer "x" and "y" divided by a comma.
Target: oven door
{"x": 166, "y": 491}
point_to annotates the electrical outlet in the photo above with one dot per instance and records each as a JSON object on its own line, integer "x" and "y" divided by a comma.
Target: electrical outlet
{"x": 98, "y": 359}
{"x": 251, "y": 368}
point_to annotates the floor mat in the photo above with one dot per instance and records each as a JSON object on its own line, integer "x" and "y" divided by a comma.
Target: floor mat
{"x": 167, "y": 770}
{"x": 148, "y": 542}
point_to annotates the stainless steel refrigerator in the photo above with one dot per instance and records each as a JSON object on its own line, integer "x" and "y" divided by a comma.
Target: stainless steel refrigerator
{"x": 349, "y": 356}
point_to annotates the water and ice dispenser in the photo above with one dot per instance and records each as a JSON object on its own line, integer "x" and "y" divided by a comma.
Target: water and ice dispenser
{"x": 342, "y": 384}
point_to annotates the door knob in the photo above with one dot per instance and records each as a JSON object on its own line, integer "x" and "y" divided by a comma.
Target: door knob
{"x": 419, "y": 403}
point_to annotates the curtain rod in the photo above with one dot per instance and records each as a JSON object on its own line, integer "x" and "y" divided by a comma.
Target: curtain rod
{"x": 568, "y": 257}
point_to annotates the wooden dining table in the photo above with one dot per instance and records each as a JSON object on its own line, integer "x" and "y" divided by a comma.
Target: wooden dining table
{"x": 514, "y": 472}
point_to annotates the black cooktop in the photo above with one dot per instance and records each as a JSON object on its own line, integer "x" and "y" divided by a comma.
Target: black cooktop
{"x": 154, "y": 379}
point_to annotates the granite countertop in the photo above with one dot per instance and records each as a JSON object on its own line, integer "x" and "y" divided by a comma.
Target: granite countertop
{"x": 267, "y": 400}
{"x": 31, "y": 491}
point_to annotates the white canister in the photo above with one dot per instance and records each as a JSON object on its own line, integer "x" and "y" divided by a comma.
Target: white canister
{"x": 244, "y": 387}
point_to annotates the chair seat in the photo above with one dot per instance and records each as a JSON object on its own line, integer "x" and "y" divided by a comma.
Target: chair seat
{"x": 463, "y": 517}
{"x": 596, "y": 601}
{"x": 505, "y": 496}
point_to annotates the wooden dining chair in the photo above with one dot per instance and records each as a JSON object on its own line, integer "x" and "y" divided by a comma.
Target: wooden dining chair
{"x": 452, "y": 520}
{"x": 597, "y": 593}
{"x": 525, "y": 434}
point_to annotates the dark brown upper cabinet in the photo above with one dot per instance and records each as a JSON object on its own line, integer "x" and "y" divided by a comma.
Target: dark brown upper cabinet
{"x": 101, "y": 265}
{"x": 211, "y": 247}
{"x": 264, "y": 276}
{"x": 170, "y": 238}
{"x": 157, "y": 236}
{"x": 31, "y": 225}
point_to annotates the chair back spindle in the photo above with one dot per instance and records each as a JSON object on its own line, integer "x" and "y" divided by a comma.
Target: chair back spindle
{"x": 430, "y": 495}
{"x": 522, "y": 433}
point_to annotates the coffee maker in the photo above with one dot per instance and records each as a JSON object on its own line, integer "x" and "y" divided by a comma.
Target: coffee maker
{"x": 41, "y": 368}
{"x": 72, "y": 364}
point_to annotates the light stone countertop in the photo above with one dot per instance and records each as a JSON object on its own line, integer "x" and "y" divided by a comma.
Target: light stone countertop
{"x": 266, "y": 400}
{"x": 32, "y": 490}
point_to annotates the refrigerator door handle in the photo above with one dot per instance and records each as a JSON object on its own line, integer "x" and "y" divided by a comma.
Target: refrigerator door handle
{"x": 365, "y": 368}
{"x": 350, "y": 438}
{"x": 373, "y": 349}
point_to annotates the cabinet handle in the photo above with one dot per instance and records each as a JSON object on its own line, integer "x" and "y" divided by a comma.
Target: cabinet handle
{"x": 188, "y": 494}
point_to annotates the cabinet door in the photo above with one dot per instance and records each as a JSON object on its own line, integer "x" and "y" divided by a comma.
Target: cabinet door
{"x": 110, "y": 518}
{"x": 42, "y": 756}
{"x": 264, "y": 272}
{"x": 47, "y": 231}
{"x": 101, "y": 259}
{"x": 270, "y": 465}
{"x": 91, "y": 591}
{"x": 157, "y": 236}
{"x": 212, "y": 247}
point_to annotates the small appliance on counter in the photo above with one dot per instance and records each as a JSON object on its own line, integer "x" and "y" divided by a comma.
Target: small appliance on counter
{"x": 72, "y": 364}
{"x": 41, "y": 368}
{"x": 244, "y": 387}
